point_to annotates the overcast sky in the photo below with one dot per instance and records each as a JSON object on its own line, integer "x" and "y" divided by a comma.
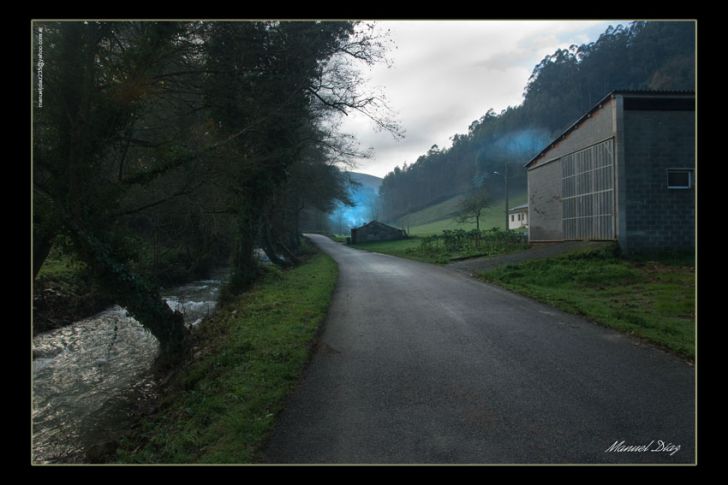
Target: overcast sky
{"x": 445, "y": 74}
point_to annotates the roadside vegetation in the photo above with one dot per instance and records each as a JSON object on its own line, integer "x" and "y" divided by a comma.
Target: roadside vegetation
{"x": 221, "y": 406}
{"x": 648, "y": 297}
{"x": 450, "y": 245}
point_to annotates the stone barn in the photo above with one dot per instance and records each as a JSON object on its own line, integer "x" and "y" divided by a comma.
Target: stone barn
{"x": 376, "y": 231}
{"x": 624, "y": 171}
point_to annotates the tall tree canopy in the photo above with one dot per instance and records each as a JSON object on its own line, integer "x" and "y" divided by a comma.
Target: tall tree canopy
{"x": 200, "y": 139}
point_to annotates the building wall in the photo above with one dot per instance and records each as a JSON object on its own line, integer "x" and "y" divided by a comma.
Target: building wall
{"x": 655, "y": 216}
{"x": 545, "y": 176}
{"x": 544, "y": 202}
{"x": 594, "y": 129}
{"x": 514, "y": 223}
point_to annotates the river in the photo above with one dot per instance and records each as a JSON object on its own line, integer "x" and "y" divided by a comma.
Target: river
{"x": 88, "y": 375}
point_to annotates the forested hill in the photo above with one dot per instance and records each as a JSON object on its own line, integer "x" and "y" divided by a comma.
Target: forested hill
{"x": 564, "y": 85}
{"x": 365, "y": 179}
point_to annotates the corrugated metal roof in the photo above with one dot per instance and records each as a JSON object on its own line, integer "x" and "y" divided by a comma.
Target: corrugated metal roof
{"x": 518, "y": 207}
{"x": 598, "y": 105}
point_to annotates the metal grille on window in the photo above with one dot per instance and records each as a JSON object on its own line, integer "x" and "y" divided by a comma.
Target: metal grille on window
{"x": 588, "y": 192}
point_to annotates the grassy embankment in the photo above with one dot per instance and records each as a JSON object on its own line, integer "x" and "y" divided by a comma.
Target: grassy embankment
{"x": 222, "y": 405}
{"x": 649, "y": 298}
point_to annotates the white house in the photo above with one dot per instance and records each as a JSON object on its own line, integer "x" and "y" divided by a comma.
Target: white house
{"x": 518, "y": 217}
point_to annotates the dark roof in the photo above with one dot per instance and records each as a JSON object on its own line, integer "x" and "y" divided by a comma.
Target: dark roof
{"x": 598, "y": 105}
{"x": 372, "y": 223}
{"x": 518, "y": 207}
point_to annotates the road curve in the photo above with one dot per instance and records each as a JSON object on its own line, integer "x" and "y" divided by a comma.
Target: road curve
{"x": 421, "y": 364}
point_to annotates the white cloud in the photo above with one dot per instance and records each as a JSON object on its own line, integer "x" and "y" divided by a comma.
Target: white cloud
{"x": 448, "y": 73}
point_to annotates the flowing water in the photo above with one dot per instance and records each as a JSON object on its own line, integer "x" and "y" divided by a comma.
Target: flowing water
{"x": 87, "y": 375}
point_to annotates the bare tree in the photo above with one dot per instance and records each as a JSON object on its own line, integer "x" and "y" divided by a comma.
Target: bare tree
{"x": 472, "y": 206}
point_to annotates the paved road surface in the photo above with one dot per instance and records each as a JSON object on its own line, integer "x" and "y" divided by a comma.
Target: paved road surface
{"x": 422, "y": 364}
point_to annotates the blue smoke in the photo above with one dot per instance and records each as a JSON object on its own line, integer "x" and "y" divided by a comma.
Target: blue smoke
{"x": 522, "y": 144}
{"x": 515, "y": 147}
{"x": 343, "y": 218}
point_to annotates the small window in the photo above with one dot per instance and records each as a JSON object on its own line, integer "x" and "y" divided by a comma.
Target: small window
{"x": 679, "y": 178}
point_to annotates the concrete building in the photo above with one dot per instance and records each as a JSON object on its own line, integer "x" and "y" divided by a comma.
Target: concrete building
{"x": 624, "y": 171}
{"x": 376, "y": 231}
{"x": 518, "y": 217}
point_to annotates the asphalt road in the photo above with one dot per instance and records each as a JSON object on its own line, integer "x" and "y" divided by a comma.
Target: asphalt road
{"x": 423, "y": 364}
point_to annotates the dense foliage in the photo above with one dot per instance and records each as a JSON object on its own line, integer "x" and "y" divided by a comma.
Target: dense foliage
{"x": 562, "y": 87}
{"x": 169, "y": 147}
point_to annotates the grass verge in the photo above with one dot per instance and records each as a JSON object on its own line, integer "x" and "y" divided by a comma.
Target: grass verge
{"x": 339, "y": 238}
{"x": 647, "y": 298}
{"x": 404, "y": 248}
{"x": 221, "y": 406}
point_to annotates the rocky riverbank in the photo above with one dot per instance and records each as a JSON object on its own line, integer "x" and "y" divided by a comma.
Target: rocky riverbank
{"x": 58, "y": 302}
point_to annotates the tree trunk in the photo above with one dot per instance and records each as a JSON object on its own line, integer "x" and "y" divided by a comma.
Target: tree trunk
{"x": 245, "y": 267}
{"x": 269, "y": 249}
{"x": 130, "y": 291}
{"x": 294, "y": 259}
{"x": 42, "y": 244}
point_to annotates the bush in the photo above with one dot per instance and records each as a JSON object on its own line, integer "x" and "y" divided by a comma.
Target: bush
{"x": 458, "y": 243}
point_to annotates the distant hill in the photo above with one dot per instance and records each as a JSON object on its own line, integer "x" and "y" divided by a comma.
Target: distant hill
{"x": 365, "y": 179}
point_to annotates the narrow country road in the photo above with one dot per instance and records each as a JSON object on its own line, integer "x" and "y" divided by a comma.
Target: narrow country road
{"x": 422, "y": 364}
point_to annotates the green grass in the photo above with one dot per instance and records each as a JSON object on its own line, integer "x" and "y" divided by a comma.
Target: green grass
{"x": 60, "y": 266}
{"x": 435, "y": 212}
{"x": 405, "y": 248}
{"x": 221, "y": 407}
{"x": 654, "y": 300}
{"x": 436, "y": 218}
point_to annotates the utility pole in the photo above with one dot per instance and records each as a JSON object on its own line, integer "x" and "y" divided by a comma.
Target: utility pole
{"x": 506, "y": 178}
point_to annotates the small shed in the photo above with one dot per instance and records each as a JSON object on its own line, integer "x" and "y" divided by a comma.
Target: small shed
{"x": 518, "y": 217}
{"x": 376, "y": 231}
